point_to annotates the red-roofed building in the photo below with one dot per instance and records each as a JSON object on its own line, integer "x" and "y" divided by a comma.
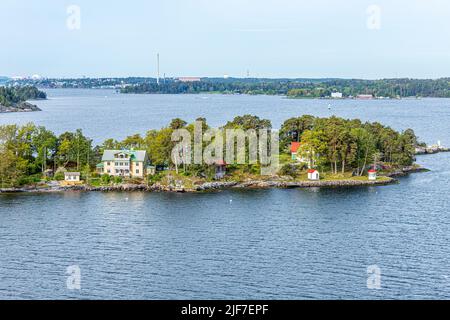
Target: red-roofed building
{"x": 313, "y": 175}
{"x": 294, "y": 149}
{"x": 372, "y": 174}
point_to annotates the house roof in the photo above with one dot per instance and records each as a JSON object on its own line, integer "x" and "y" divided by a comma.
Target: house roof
{"x": 136, "y": 155}
{"x": 295, "y": 146}
{"x": 372, "y": 171}
{"x": 220, "y": 163}
{"x": 312, "y": 171}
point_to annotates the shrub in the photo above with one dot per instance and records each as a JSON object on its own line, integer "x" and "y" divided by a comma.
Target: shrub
{"x": 23, "y": 181}
{"x": 106, "y": 179}
{"x": 117, "y": 180}
{"x": 152, "y": 179}
{"x": 289, "y": 170}
{"x": 59, "y": 176}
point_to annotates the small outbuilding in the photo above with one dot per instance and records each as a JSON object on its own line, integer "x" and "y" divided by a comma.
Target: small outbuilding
{"x": 313, "y": 175}
{"x": 220, "y": 169}
{"x": 72, "y": 176}
{"x": 372, "y": 174}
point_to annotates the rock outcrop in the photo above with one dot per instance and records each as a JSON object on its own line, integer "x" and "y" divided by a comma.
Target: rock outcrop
{"x": 20, "y": 107}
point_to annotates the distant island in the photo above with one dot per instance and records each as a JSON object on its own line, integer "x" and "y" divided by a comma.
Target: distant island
{"x": 13, "y": 99}
{"x": 303, "y": 88}
{"x": 292, "y": 88}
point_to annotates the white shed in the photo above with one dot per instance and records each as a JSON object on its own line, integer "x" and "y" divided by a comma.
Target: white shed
{"x": 372, "y": 175}
{"x": 313, "y": 175}
{"x": 72, "y": 176}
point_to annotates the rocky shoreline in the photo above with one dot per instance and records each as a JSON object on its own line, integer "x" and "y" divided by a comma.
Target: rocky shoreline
{"x": 405, "y": 171}
{"x": 431, "y": 149}
{"x": 222, "y": 185}
{"x": 208, "y": 186}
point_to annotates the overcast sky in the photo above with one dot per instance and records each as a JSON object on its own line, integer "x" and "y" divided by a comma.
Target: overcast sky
{"x": 269, "y": 38}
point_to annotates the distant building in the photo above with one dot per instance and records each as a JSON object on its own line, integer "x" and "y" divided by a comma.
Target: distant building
{"x": 336, "y": 95}
{"x": 72, "y": 177}
{"x": 125, "y": 163}
{"x": 364, "y": 96}
{"x": 189, "y": 79}
{"x": 313, "y": 175}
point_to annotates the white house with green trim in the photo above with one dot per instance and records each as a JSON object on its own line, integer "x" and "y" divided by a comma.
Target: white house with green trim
{"x": 125, "y": 163}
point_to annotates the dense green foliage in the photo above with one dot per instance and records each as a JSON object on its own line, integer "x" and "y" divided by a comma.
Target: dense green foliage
{"x": 343, "y": 145}
{"x": 10, "y": 96}
{"x": 295, "y": 88}
{"x": 378, "y": 88}
{"x": 332, "y": 144}
{"x": 28, "y": 150}
{"x": 303, "y": 88}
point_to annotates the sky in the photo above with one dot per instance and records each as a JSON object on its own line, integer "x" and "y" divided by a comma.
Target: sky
{"x": 260, "y": 38}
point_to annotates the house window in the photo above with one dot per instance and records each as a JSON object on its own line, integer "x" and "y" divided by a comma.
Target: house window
{"x": 109, "y": 171}
{"x": 137, "y": 171}
{"x": 117, "y": 170}
{"x": 109, "y": 163}
{"x": 116, "y": 163}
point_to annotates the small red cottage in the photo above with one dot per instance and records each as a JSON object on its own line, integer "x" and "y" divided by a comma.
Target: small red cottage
{"x": 313, "y": 175}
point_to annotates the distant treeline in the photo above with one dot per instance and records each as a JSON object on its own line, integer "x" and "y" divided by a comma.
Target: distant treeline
{"x": 10, "y": 96}
{"x": 294, "y": 88}
{"x": 303, "y": 88}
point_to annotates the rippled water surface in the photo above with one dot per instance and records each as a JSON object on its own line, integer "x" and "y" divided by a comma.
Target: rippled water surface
{"x": 281, "y": 244}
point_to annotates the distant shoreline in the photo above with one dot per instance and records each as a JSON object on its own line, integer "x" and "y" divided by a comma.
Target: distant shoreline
{"x": 20, "y": 107}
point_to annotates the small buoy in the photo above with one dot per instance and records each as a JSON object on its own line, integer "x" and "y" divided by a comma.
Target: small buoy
{"x": 231, "y": 200}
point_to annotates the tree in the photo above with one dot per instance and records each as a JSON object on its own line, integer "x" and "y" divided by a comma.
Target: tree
{"x": 177, "y": 123}
{"x": 44, "y": 144}
{"x": 110, "y": 144}
{"x": 313, "y": 146}
{"x": 133, "y": 142}
{"x": 14, "y": 153}
{"x": 365, "y": 148}
{"x": 159, "y": 146}
{"x": 74, "y": 148}
{"x": 293, "y": 128}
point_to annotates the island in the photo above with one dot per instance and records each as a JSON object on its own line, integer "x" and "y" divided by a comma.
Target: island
{"x": 312, "y": 152}
{"x": 14, "y": 99}
{"x": 331, "y": 88}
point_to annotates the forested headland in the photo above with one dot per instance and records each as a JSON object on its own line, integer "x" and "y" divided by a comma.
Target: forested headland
{"x": 14, "y": 98}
